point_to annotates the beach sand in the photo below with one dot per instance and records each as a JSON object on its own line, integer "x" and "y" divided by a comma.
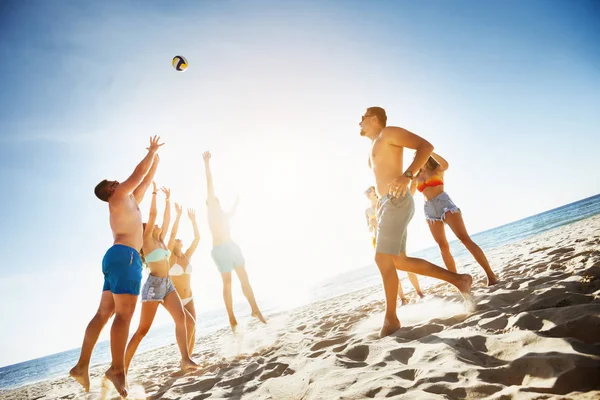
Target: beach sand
{"x": 536, "y": 335}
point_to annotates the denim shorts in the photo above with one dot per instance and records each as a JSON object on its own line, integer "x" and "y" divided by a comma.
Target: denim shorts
{"x": 436, "y": 208}
{"x": 156, "y": 289}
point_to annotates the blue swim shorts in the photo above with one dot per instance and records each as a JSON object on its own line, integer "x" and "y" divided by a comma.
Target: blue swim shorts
{"x": 227, "y": 256}
{"x": 122, "y": 269}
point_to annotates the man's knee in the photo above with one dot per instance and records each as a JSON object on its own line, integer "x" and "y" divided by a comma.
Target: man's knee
{"x": 104, "y": 314}
{"x": 384, "y": 260}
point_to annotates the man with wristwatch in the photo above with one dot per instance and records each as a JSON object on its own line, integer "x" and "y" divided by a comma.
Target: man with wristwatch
{"x": 396, "y": 208}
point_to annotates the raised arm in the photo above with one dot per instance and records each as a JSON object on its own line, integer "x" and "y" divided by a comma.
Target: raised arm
{"x": 152, "y": 216}
{"x": 190, "y": 251}
{"x": 210, "y": 189}
{"x": 140, "y": 191}
{"x": 167, "y": 216}
{"x": 441, "y": 160}
{"x": 175, "y": 228}
{"x": 127, "y": 187}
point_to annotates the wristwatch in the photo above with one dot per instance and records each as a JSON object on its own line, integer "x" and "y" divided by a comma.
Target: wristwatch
{"x": 408, "y": 174}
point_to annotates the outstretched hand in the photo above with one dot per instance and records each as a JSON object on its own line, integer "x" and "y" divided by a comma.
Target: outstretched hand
{"x": 154, "y": 145}
{"x": 206, "y": 156}
{"x": 178, "y": 209}
{"x": 153, "y": 187}
{"x": 166, "y": 191}
{"x": 192, "y": 214}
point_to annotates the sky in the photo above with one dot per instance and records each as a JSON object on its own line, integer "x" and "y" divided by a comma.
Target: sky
{"x": 507, "y": 91}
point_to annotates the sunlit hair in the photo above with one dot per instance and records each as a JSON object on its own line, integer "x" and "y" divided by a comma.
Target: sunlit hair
{"x": 379, "y": 113}
{"x": 432, "y": 163}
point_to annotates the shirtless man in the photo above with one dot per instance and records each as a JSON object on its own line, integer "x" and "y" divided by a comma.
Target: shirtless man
{"x": 122, "y": 269}
{"x": 226, "y": 253}
{"x": 396, "y": 209}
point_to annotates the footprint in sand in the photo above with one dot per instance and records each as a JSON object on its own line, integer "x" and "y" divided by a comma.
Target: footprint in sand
{"x": 328, "y": 342}
{"x": 356, "y": 353}
{"x": 561, "y": 250}
{"x": 275, "y": 370}
{"x": 401, "y": 355}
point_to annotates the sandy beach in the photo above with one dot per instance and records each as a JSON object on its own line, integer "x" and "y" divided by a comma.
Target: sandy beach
{"x": 536, "y": 335}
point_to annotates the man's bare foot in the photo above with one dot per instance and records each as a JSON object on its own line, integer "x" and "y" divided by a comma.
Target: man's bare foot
{"x": 189, "y": 365}
{"x": 82, "y": 376}
{"x": 389, "y": 327}
{"x": 420, "y": 294}
{"x": 118, "y": 380}
{"x": 258, "y": 314}
{"x": 403, "y": 301}
{"x": 464, "y": 283}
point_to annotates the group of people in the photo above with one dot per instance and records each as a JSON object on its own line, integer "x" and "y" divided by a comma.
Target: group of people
{"x": 168, "y": 283}
{"x": 137, "y": 243}
{"x": 439, "y": 210}
{"x": 393, "y": 208}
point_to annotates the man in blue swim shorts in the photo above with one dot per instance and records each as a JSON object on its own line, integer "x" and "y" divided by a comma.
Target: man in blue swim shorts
{"x": 226, "y": 254}
{"x": 122, "y": 269}
{"x": 396, "y": 208}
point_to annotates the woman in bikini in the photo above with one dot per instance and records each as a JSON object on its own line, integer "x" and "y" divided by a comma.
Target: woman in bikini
{"x": 181, "y": 270}
{"x": 440, "y": 209}
{"x": 371, "y": 214}
{"x": 159, "y": 289}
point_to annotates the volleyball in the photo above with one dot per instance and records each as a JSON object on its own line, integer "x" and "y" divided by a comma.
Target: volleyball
{"x": 180, "y": 63}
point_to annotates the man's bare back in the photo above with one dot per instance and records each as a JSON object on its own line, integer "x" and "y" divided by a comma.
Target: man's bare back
{"x": 126, "y": 221}
{"x": 218, "y": 223}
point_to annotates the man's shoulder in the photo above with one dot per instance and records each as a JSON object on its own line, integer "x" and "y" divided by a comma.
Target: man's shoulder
{"x": 118, "y": 201}
{"x": 391, "y": 130}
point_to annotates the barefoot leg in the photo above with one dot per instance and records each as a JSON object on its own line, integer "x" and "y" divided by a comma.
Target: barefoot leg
{"x": 80, "y": 372}
{"x": 249, "y": 293}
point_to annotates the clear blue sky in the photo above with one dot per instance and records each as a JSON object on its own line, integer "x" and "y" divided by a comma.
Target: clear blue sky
{"x": 507, "y": 91}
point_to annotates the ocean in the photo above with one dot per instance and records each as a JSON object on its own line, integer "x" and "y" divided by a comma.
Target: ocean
{"x": 57, "y": 365}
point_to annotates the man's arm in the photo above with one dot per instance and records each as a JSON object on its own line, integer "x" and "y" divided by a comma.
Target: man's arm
{"x": 130, "y": 184}
{"x": 167, "y": 215}
{"x": 175, "y": 227}
{"x": 190, "y": 251}
{"x": 140, "y": 191}
{"x": 442, "y": 161}
{"x": 210, "y": 190}
{"x": 403, "y": 138}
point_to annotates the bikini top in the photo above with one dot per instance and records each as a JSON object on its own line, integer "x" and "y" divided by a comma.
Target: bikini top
{"x": 431, "y": 182}
{"x": 177, "y": 270}
{"x": 158, "y": 255}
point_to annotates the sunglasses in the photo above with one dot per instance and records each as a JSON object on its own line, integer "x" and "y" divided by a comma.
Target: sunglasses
{"x": 365, "y": 116}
